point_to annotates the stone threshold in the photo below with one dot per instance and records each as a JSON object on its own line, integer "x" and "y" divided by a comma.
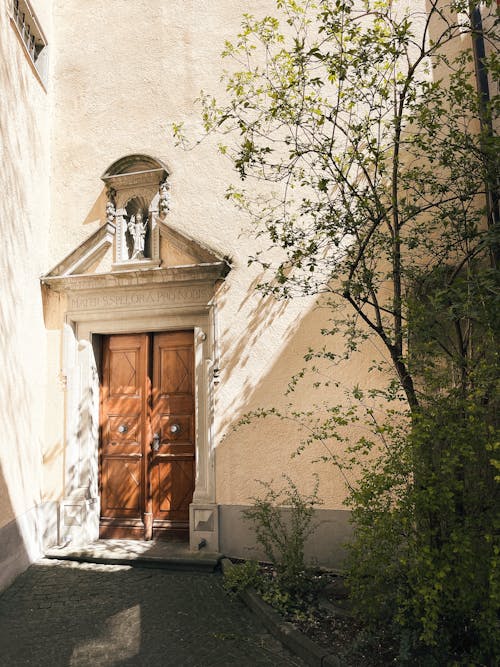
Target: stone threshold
{"x": 135, "y": 553}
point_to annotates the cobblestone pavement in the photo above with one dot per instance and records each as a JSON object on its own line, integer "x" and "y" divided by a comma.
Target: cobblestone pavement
{"x": 61, "y": 613}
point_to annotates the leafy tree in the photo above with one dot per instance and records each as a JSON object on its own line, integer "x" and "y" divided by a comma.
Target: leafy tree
{"x": 369, "y": 126}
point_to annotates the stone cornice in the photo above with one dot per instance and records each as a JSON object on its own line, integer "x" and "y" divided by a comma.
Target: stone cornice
{"x": 168, "y": 276}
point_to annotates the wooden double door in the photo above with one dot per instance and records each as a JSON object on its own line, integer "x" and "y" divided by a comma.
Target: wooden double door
{"x": 147, "y": 451}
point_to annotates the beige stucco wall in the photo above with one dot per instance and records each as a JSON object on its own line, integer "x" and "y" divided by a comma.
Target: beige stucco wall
{"x": 117, "y": 94}
{"x": 263, "y": 449}
{"x": 24, "y": 219}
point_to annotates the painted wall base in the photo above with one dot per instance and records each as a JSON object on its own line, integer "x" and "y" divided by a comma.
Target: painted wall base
{"x": 325, "y": 546}
{"x": 24, "y": 540}
{"x": 221, "y": 526}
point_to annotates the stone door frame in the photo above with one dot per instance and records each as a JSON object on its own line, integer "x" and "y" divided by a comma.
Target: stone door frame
{"x": 149, "y": 309}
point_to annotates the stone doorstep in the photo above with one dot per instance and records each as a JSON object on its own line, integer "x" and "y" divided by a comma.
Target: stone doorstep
{"x": 159, "y": 555}
{"x": 294, "y": 640}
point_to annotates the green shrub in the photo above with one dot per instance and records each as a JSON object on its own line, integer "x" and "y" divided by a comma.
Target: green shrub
{"x": 242, "y": 576}
{"x": 282, "y": 521}
{"x": 425, "y": 557}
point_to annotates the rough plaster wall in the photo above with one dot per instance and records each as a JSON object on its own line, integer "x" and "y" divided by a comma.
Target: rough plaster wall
{"x": 124, "y": 71}
{"x": 117, "y": 93}
{"x": 24, "y": 214}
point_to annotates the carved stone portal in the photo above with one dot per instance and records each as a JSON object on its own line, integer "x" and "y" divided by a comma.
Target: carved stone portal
{"x": 179, "y": 297}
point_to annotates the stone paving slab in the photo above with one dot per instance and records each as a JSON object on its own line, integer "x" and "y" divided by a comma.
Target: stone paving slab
{"x": 70, "y": 614}
{"x": 173, "y": 555}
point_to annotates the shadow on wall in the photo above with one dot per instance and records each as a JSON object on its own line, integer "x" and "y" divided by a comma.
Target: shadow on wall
{"x": 14, "y": 557}
{"x": 271, "y": 441}
{"x": 22, "y": 538}
{"x": 259, "y": 313}
{"x": 263, "y": 449}
{"x": 21, "y": 350}
{"x": 95, "y": 215}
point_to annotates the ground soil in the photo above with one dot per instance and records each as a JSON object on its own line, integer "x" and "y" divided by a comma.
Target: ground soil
{"x": 332, "y": 626}
{"x": 324, "y": 615}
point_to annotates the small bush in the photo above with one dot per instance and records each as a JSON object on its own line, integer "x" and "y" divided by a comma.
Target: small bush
{"x": 242, "y": 576}
{"x": 282, "y": 521}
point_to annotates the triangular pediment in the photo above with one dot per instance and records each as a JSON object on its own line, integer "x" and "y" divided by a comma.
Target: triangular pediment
{"x": 181, "y": 250}
{"x": 86, "y": 254}
{"x": 179, "y": 255}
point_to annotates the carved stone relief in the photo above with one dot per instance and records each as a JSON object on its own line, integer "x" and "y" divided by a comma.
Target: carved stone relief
{"x": 136, "y": 200}
{"x": 111, "y": 205}
{"x": 164, "y": 203}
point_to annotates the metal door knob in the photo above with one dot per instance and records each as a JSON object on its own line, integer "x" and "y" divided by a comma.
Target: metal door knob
{"x": 175, "y": 428}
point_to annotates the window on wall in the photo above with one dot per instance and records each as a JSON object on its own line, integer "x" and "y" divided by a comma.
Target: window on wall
{"x": 31, "y": 34}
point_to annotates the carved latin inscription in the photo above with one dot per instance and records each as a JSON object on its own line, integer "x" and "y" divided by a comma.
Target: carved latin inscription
{"x": 166, "y": 296}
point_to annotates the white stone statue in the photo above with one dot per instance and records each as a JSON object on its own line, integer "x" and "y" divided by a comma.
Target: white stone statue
{"x": 137, "y": 229}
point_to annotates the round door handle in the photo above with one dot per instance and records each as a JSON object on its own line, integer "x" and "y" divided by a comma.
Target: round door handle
{"x": 175, "y": 428}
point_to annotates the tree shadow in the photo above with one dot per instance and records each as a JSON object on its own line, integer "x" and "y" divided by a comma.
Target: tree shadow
{"x": 264, "y": 448}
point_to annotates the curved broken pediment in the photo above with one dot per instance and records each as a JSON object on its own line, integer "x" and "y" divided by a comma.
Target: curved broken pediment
{"x": 133, "y": 164}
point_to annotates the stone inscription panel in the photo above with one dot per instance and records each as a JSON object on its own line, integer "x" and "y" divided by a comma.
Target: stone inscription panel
{"x": 144, "y": 298}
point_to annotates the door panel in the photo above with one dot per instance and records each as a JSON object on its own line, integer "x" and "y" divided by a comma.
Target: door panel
{"x": 123, "y": 422}
{"x": 122, "y": 487}
{"x": 172, "y": 415}
{"x": 124, "y": 370}
{"x": 174, "y": 484}
{"x": 174, "y": 368}
{"x": 147, "y": 387}
{"x": 122, "y": 434}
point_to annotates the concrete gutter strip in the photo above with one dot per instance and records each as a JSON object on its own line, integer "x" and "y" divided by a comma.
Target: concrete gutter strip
{"x": 285, "y": 632}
